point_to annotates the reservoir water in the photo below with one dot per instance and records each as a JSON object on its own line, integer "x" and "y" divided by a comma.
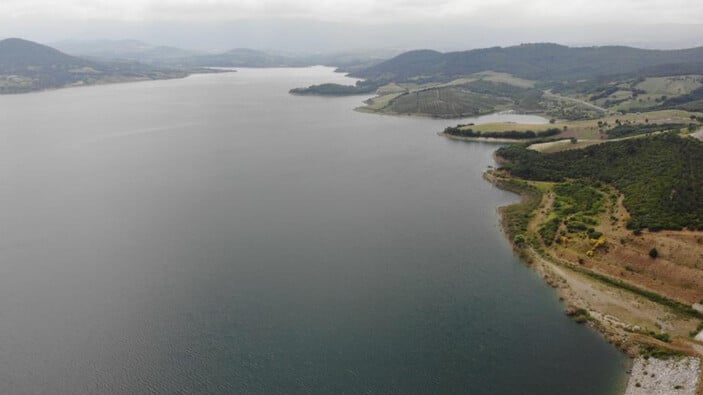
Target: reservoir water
{"x": 216, "y": 235}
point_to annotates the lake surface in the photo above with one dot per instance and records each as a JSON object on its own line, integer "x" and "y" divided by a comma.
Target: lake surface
{"x": 217, "y": 235}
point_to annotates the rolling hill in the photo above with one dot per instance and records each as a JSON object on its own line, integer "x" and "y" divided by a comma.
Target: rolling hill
{"x": 27, "y": 66}
{"x": 540, "y": 62}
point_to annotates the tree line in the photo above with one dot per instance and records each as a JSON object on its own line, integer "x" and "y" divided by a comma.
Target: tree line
{"x": 461, "y": 131}
{"x": 660, "y": 176}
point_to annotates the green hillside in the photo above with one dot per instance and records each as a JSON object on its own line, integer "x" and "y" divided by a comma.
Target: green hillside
{"x": 660, "y": 176}
{"x": 27, "y": 66}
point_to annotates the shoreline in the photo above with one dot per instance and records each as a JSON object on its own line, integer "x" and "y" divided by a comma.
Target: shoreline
{"x": 496, "y": 140}
{"x": 574, "y": 289}
{"x": 124, "y": 81}
{"x": 366, "y": 110}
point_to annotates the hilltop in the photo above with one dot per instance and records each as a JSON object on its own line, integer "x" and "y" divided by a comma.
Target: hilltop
{"x": 17, "y": 54}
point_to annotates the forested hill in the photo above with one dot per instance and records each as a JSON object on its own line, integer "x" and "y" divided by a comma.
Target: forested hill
{"x": 27, "y": 66}
{"x": 660, "y": 176}
{"x": 542, "y": 62}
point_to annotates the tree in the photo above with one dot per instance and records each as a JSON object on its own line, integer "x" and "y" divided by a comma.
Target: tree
{"x": 653, "y": 253}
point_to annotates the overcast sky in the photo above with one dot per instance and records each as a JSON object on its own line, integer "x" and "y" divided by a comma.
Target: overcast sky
{"x": 361, "y": 11}
{"x": 567, "y": 21}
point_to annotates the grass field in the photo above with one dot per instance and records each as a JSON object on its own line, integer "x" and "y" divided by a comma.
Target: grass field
{"x": 671, "y": 86}
{"x": 504, "y": 78}
{"x": 562, "y": 145}
{"x": 390, "y": 89}
{"x": 378, "y": 103}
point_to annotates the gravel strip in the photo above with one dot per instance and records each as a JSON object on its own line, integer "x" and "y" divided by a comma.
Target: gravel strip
{"x": 675, "y": 376}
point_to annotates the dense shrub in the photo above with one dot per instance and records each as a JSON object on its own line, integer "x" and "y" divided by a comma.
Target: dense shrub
{"x": 660, "y": 176}
{"x": 459, "y": 131}
{"x": 653, "y": 253}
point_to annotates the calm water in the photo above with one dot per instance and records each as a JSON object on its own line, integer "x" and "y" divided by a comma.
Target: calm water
{"x": 217, "y": 235}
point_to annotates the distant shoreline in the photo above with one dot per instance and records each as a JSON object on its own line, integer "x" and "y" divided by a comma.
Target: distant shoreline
{"x": 203, "y": 71}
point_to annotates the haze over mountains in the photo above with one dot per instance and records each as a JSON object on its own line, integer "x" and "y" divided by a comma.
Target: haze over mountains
{"x": 27, "y": 66}
{"x": 121, "y": 49}
{"x": 238, "y": 57}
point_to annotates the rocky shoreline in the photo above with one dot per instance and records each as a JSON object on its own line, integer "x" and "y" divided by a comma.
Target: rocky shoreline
{"x": 582, "y": 294}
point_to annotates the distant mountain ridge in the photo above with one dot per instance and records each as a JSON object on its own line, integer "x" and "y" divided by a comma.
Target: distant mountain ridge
{"x": 239, "y": 57}
{"x": 121, "y": 49}
{"x": 157, "y": 55}
{"x": 541, "y": 62}
{"x": 245, "y": 57}
{"x": 27, "y": 66}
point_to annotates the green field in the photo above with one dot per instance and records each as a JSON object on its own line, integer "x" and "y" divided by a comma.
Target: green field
{"x": 671, "y": 86}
